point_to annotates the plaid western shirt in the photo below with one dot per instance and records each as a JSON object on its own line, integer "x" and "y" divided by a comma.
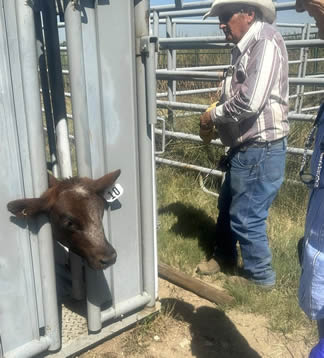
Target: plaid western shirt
{"x": 254, "y": 100}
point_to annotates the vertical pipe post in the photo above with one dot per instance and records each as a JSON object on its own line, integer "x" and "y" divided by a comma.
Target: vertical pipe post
{"x": 300, "y": 67}
{"x": 75, "y": 60}
{"x": 31, "y": 91}
{"x": 170, "y": 67}
{"x": 174, "y": 61}
{"x": 303, "y": 70}
{"x": 60, "y": 120}
{"x": 156, "y": 33}
{"x": 57, "y": 87}
{"x": 81, "y": 129}
{"x": 46, "y": 95}
{"x": 147, "y": 161}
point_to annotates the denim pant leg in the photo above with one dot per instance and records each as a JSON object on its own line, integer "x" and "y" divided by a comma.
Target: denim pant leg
{"x": 225, "y": 242}
{"x": 255, "y": 178}
{"x": 311, "y": 286}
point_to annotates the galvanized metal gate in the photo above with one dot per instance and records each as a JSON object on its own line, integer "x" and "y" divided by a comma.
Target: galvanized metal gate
{"x": 111, "y": 63}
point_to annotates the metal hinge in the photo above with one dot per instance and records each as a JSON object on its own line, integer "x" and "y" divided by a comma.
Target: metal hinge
{"x": 146, "y": 42}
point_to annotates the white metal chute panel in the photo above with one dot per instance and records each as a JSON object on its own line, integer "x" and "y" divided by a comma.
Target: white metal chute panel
{"x": 28, "y": 308}
{"x": 18, "y": 312}
{"x": 111, "y": 95}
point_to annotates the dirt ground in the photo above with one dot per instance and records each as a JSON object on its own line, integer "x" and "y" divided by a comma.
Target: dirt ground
{"x": 197, "y": 328}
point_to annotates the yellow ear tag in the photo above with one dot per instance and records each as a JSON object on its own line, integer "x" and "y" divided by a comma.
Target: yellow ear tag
{"x": 213, "y": 105}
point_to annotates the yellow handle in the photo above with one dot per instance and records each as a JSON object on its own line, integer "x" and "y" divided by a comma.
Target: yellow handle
{"x": 213, "y": 105}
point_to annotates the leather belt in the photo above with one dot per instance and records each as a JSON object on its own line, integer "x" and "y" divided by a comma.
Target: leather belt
{"x": 254, "y": 144}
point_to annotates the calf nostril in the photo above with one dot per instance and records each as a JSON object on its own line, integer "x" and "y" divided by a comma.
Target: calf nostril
{"x": 109, "y": 260}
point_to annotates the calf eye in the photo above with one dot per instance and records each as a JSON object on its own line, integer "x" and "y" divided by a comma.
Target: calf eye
{"x": 69, "y": 224}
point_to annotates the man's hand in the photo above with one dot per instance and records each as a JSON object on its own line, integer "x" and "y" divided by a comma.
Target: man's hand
{"x": 207, "y": 131}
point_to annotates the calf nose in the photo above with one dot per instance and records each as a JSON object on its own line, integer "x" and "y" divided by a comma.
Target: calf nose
{"x": 109, "y": 260}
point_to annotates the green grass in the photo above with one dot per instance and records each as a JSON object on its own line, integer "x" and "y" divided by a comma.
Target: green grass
{"x": 187, "y": 218}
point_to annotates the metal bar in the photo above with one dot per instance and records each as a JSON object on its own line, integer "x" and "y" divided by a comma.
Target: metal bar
{"x": 199, "y": 8}
{"x": 319, "y": 59}
{"x": 209, "y": 41}
{"x": 81, "y": 128}
{"x": 169, "y": 67}
{"x": 189, "y": 75}
{"x": 174, "y": 61}
{"x": 169, "y": 57}
{"x": 178, "y": 4}
{"x": 192, "y": 5}
{"x": 203, "y": 107}
{"x": 219, "y": 67}
{"x": 300, "y": 66}
{"x": 214, "y": 76}
{"x": 310, "y": 108}
{"x": 303, "y": 69}
{"x": 307, "y": 81}
{"x": 320, "y": 75}
{"x": 150, "y": 69}
{"x": 163, "y": 135}
{"x": 179, "y": 105}
{"x": 203, "y": 68}
{"x": 196, "y": 138}
{"x": 188, "y": 92}
{"x": 197, "y": 45}
{"x": 57, "y": 91}
{"x": 310, "y": 93}
{"x": 27, "y": 47}
{"x": 189, "y": 166}
{"x": 156, "y": 34}
{"x": 185, "y": 136}
{"x": 146, "y": 163}
{"x": 30, "y": 349}
{"x": 125, "y": 307}
{"x": 46, "y": 95}
{"x": 216, "y": 22}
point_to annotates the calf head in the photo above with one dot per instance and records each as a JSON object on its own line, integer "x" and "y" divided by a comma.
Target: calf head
{"x": 75, "y": 208}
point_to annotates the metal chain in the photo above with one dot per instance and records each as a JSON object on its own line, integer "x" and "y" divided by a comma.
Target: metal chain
{"x": 308, "y": 144}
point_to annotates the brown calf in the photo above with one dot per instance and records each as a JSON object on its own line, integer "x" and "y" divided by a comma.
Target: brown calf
{"x": 75, "y": 208}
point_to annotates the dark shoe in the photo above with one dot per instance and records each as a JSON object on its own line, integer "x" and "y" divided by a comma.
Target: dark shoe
{"x": 209, "y": 267}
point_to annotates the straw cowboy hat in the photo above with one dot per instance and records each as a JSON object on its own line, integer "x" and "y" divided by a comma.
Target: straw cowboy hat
{"x": 266, "y": 7}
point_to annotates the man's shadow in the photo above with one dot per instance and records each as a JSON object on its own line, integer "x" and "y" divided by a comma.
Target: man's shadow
{"x": 193, "y": 223}
{"x": 213, "y": 334}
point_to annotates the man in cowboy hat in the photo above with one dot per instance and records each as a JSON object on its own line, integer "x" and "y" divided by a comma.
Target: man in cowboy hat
{"x": 250, "y": 119}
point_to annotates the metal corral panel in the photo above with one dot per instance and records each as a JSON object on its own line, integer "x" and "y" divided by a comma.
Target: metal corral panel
{"x": 22, "y": 313}
{"x": 106, "y": 103}
{"x": 112, "y": 131}
{"x": 111, "y": 93}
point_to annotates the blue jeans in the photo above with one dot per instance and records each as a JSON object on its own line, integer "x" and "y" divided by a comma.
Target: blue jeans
{"x": 311, "y": 286}
{"x": 250, "y": 185}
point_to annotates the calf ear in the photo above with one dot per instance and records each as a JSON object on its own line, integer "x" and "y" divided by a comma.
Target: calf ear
{"x": 105, "y": 182}
{"x": 27, "y": 207}
{"x": 52, "y": 181}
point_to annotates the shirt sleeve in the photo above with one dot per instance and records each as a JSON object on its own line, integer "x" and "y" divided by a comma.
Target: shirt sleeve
{"x": 251, "y": 95}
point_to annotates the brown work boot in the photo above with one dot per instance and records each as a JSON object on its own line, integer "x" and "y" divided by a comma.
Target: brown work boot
{"x": 209, "y": 267}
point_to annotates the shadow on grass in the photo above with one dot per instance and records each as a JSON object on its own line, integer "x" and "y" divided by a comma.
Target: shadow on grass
{"x": 193, "y": 223}
{"x": 213, "y": 333}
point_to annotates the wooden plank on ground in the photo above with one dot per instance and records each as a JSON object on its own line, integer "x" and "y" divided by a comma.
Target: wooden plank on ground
{"x": 194, "y": 285}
